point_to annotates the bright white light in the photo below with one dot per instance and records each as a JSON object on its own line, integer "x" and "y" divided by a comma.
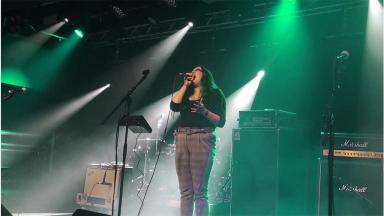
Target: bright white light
{"x": 243, "y": 98}
{"x": 22, "y": 51}
{"x": 154, "y": 58}
{"x": 261, "y": 73}
{"x": 375, "y": 6}
{"x": 108, "y": 85}
{"x": 49, "y": 120}
{"x": 373, "y": 39}
{"x": 66, "y": 20}
{"x": 190, "y": 24}
{"x": 372, "y": 65}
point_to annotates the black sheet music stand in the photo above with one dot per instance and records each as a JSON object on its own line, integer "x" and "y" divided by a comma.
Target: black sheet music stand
{"x": 136, "y": 123}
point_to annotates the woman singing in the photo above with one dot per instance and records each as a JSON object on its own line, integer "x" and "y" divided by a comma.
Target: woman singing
{"x": 202, "y": 108}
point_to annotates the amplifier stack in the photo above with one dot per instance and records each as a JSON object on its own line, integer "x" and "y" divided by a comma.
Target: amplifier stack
{"x": 265, "y": 170}
{"x": 358, "y": 175}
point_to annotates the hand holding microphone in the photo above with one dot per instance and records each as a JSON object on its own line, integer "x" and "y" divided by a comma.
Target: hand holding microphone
{"x": 188, "y": 79}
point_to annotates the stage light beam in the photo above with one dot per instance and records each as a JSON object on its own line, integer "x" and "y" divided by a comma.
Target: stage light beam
{"x": 153, "y": 58}
{"x": 50, "y": 119}
{"x": 372, "y": 67}
{"x": 17, "y": 54}
{"x": 241, "y": 100}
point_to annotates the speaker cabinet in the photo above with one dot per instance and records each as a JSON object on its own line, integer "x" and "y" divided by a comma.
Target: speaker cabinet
{"x": 358, "y": 187}
{"x": 264, "y": 172}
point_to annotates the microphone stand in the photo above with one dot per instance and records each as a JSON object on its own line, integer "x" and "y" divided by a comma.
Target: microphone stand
{"x": 336, "y": 71}
{"x": 126, "y": 99}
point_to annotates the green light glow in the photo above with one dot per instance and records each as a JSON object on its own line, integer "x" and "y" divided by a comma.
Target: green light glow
{"x": 79, "y": 33}
{"x": 54, "y": 35}
{"x": 13, "y": 133}
{"x": 14, "y": 76}
{"x": 49, "y": 63}
{"x": 283, "y": 23}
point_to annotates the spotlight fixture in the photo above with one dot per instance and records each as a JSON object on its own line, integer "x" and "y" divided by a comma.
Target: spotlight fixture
{"x": 190, "y": 24}
{"x": 66, "y": 20}
{"x": 79, "y": 33}
{"x": 118, "y": 11}
{"x": 170, "y": 3}
{"x": 261, "y": 73}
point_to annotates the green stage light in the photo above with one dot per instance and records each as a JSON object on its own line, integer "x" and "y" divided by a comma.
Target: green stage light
{"x": 79, "y": 33}
{"x": 14, "y": 76}
{"x": 55, "y": 35}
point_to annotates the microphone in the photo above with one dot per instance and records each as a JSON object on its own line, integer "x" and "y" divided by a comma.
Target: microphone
{"x": 344, "y": 55}
{"x": 182, "y": 74}
{"x": 185, "y": 76}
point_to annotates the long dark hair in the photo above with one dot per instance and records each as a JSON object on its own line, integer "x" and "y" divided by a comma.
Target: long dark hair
{"x": 207, "y": 81}
{"x": 209, "y": 84}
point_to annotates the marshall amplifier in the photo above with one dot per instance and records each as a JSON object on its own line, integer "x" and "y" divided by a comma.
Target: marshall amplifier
{"x": 358, "y": 187}
{"x": 352, "y": 145}
{"x": 358, "y": 175}
{"x": 267, "y": 118}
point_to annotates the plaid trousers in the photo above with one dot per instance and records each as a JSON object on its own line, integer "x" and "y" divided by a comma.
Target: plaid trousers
{"x": 195, "y": 151}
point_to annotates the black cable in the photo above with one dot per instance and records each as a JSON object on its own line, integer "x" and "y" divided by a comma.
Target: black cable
{"x": 138, "y": 169}
{"x": 149, "y": 183}
{"x": 138, "y": 156}
{"x": 116, "y": 163}
{"x": 158, "y": 155}
{"x": 169, "y": 112}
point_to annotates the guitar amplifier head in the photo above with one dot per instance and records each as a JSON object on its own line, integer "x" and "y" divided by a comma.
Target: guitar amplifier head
{"x": 354, "y": 145}
{"x": 267, "y": 118}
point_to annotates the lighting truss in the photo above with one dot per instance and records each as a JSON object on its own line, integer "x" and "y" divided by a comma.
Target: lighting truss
{"x": 217, "y": 20}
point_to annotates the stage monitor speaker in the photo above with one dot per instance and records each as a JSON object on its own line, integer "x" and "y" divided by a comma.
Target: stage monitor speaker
{"x": 358, "y": 187}
{"x": 83, "y": 212}
{"x": 265, "y": 173}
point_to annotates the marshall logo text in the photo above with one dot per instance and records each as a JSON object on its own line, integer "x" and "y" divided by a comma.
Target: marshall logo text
{"x": 348, "y": 188}
{"x": 354, "y": 144}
